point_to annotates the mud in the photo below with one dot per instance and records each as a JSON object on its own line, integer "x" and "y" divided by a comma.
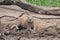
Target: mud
{"x": 7, "y": 32}
{"x": 50, "y": 33}
{"x": 19, "y": 24}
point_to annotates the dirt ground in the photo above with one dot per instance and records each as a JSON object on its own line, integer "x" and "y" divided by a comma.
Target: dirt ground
{"x": 8, "y": 15}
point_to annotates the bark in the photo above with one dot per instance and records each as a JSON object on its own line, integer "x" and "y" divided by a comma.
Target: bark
{"x": 6, "y": 2}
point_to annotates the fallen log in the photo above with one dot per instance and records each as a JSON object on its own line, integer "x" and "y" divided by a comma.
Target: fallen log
{"x": 37, "y": 10}
{"x": 22, "y": 5}
{"x": 6, "y": 2}
{"x": 31, "y": 8}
